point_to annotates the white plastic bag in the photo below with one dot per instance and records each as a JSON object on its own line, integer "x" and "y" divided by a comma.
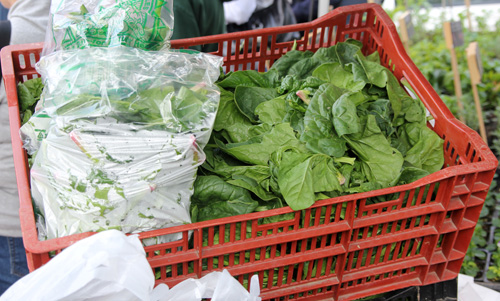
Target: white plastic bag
{"x": 219, "y": 286}
{"x": 112, "y": 266}
{"x": 106, "y": 266}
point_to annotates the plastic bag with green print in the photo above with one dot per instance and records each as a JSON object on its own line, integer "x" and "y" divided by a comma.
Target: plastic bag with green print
{"x": 81, "y": 24}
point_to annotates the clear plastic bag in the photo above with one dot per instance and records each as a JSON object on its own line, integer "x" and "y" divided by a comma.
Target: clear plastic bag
{"x": 80, "y": 24}
{"x": 126, "y": 135}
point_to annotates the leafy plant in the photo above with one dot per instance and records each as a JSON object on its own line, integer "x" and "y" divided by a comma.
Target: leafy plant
{"x": 315, "y": 126}
{"x": 29, "y": 93}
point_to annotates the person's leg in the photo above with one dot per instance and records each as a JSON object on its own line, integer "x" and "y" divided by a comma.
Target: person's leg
{"x": 3, "y": 13}
{"x": 13, "y": 263}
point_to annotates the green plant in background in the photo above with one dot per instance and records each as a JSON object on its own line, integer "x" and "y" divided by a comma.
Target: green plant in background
{"x": 428, "y": 51}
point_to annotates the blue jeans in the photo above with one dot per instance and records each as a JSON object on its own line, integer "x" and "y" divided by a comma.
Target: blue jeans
{"x": 13, "y": 263}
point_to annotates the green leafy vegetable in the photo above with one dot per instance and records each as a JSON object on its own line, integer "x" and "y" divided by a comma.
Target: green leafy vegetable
{"x": 318, "y": 126}
{"x": 258, "y": 149}
{"x": 29, "y": 93}
{"x": 381, "y": 163}
{"x": 248, "y": 98}
{"x": 214, "y": 198}
{"x": 319, "y": 134}
{"x": 295, "y": 180}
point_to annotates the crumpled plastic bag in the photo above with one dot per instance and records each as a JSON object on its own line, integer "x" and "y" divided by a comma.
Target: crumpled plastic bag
{"x": 126, "y": 133}
{"x": 106, "y": 266}
{"x": 218, "y": 286}
{"x": 112, "y": 266}
{"x": 81, "y": 24}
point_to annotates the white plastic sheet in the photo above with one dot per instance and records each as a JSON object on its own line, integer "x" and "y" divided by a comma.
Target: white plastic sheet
{"x": 112, "y": 266}
{"x": 218, "y": 286}
{"x": 470, "y": 291}
{"x": 105, "y": 266}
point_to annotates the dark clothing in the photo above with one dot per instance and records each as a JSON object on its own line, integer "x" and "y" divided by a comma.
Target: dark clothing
{"x": 3, "y": 13}
{"x": 301, "y": 8}
{"x": 13, "y": 262}
{"x": 197, "y": 18}
{"x": 4, "y": 36}
{"x": 277, "y": 14}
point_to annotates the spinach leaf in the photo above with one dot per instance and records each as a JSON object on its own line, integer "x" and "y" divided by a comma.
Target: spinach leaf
{"x": 228, "y": 113}
{"x": 426, "y": 150}
{"x": 295, "y": 180}
{"x": 258, "y": 149}
{"x": 84, "y": 103}
{"x": 374, "y": 57}
{"x": 296, "y": 120}
{"x": 248, "y": 98}
{"x": 251, "y": 184}
{"x": 411, "y": 174}
{"x": 187, "y": 107}
{"x": 292, "y": 83}
{"x": 414, "y": 110}
{"x": 272, "y": 111}
{"x": 255, "y": 178}
{"x": 380, "y": 162}
{"x": 381, "y": 109}
{"x": 346, "y": 52}
{"x": 318, "y": 133}
{"x": 345, "y": 117}
{"x": 326, "y": 54}
{"x": 29, "y": 93}
{"x": 336, "y": 74}
{"x": 287, "y": 61}
{"x": 375, "y": 73}
{"x": 302, "y": 175}
{"x": 406, "y": 109}
{"x": 241, "y": 132}
{"x": 213, "y": 198}
{"x": 304, "y": 68}
{"x": 326, "y": 177}
{"x": 250, "y": 78}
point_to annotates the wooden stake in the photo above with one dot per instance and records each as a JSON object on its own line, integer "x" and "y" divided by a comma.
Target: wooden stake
{"x": 406, "y": 29}
{"x": 450, "y": 44}
{"x": 475, "y": 69}
{"x": 467, "y": 5}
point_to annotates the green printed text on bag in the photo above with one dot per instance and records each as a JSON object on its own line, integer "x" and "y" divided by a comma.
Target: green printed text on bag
{"x": 143, "y": 24}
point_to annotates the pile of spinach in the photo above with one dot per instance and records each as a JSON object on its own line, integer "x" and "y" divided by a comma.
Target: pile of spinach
{"x": 314, "y": 126}
{"x": 29, "y": 93}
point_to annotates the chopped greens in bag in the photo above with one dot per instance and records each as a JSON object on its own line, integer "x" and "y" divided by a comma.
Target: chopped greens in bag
{"x": 126, "y": 135}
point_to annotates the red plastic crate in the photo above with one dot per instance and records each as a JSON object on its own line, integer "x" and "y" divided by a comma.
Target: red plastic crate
{"x": 418, "y": 238}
